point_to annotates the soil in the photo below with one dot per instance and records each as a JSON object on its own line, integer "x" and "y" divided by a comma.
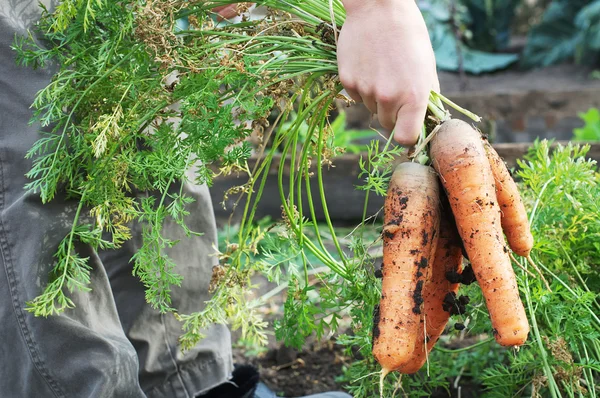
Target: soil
{"x": 289, "y": 372}
{"x": 316, "y": 368}
{"x": 292, "y": 373}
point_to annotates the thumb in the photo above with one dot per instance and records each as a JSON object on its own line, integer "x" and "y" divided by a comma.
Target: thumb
{"x": 409, "y": 122}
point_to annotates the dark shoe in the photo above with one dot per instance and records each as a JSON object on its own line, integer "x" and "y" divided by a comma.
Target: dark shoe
{"x": 242, "y": 384}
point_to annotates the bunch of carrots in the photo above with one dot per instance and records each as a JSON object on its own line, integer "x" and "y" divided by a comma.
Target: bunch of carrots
{"x": 427, "y": 232}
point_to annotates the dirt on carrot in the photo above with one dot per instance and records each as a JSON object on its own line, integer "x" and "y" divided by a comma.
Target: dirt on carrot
{"x": 411, "y": 222}
{"x": 459, "y": 156}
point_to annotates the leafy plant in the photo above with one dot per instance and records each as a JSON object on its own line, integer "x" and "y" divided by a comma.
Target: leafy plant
{"x": 443, "y": 26}
{"x": 113, "y": 111}
{"x": 139, "y": 100}
{"x": 491, "y": 22}
{"x": 591, "y": 130}
{"x": 561, "y": 189}
{"x": 568, "y": 30}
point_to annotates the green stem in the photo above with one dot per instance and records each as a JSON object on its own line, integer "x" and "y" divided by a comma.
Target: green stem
{"x": 322, "y": 189}
{"x": 438, "y": 112}
{"x": 575, "y": 295}
{"x": 309, "y": 195}
{"x": 462, "y": 110}
{"x": 65, "y": 271}
{"x": 575, "y": 270}
{"x": 323, "y": 256}
{"x": 552, "y": 386}
{"x": 463, "y": 349}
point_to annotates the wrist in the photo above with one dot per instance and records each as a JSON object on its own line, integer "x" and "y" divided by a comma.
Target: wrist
{"x": 356, "y": 6}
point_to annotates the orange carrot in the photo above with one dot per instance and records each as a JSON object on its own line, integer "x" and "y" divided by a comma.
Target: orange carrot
{"x": 447, "y": 260}
{"x": 460, "y": 159}
{"x": 411, "y": 223}
{"x": 514, "y": 216}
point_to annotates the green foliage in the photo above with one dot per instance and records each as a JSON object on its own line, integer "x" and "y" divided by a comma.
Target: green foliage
{"x": 136, "y": 104}
{"x": 490, "y": 23}
{"x": 133, "y": 107}
{"x": 591, "y": 130}
{"x": 561, "y": 189}
{"x": 440, "y": 22}
{"x": 568, "y": 30}
{"x": 378, "y": 167}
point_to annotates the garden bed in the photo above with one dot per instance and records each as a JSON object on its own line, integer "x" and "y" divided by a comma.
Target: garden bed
{"x": 339, "y": 181}
{"x": 319, "y": 365}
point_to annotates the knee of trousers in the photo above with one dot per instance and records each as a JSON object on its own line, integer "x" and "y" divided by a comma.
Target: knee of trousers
{"x": 82, "y": 365}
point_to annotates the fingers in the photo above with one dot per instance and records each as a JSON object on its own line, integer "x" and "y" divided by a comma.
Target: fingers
{"x": 358, "y": 95}
{"x": 370, "y": 103}
{"x": 409, "y": 122}
{"x": 353, "y": 94}
{"x": 401, "y": 109}
{"x": 387, "y": 110}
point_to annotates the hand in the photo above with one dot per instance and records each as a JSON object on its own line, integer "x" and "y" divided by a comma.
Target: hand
{"x": 386, "y": 60}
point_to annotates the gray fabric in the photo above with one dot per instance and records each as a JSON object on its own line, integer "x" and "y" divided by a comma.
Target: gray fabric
{"x": 112, "y": 344}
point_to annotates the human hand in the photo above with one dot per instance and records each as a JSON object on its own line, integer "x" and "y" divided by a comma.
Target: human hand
{"x": 385, "y": 60}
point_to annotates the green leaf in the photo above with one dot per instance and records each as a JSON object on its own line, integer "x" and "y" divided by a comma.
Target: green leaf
{"x": 444, "y": 43}
{"x": 563, "y": 34}
{"x": 474, "y": 61}
{"x": 591, "y": 130}
{"x": 588, "y": 20}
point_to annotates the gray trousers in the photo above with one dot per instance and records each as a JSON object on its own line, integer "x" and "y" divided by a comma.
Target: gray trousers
{"x": 112, "y": 344}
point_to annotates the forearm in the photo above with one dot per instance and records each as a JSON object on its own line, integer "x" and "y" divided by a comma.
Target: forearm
{"x": 356, "y": 5}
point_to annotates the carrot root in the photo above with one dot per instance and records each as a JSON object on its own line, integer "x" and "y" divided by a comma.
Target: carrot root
{"x": 410, "y": 235}
{"x": 460, "y": 158}
{"x": 514, "y": 216}
{"x": 447, "y": 260}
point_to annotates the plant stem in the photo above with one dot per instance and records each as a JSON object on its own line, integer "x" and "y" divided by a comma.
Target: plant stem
{"x": 450, "y": 351}
{"x": 321, "y": 186}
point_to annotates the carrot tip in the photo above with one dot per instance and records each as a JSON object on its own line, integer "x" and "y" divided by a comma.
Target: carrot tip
{"x": 384, "y": 372}
{"x": 534, "y": 265}
{"x": 521, "y": 266}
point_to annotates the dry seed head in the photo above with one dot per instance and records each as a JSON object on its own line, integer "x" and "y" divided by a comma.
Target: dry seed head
{"x": 155, "y": 23}
{"x": 537, "y": 383}
{"x": 218, "y": 274}
{"x": 559, "y": 349}
{"x": 570, "y": 373}
{"x": 286, "y": 219}
{"x": 238, "y": 189}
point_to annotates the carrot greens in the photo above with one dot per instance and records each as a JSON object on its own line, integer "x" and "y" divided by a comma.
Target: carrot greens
{"x": 150, "y": 94}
